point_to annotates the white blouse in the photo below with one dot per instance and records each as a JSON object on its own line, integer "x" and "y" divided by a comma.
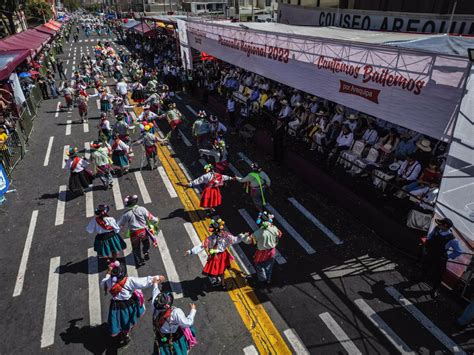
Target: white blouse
{"x": 177, "y": 317}
{"x": 94, "y": 228}
{"x": 132, "y": 284}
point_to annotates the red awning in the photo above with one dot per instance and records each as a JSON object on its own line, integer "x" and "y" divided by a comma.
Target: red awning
{"x": 56, "y": 23}
{"x": 9, "y": 60}
{"x": 45, "y": 29}
{"x": 143, "y": 28}
{"x": 29, "y": 39}
{"x": 50, "y": 25}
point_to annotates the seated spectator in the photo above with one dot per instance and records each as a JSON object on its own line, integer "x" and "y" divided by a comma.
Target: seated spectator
{"x": 430, "y": 176}
{"x": 423, "y": 151}
{"x": 351, "y": 121}
{"x": 404, "y": 147}
{"x": 387, "y": 145}
{"x": 285, "y": 112}
{"x": 314, "y": 104}
{"x": 296, "y": 98}
{"x": 270, "y": 103}
{"x": 343, "y": 142}
{"x": 370, "y": 136}
{"x": 408, "y": 172}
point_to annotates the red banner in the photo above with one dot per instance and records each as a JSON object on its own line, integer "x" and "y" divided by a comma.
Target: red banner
{"x": 366, "y": 93}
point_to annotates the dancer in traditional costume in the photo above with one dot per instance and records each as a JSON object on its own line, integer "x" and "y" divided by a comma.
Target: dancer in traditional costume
{"x": 138, "y": 94}
{"x": 79, "y": 178}
{"x": 256, "y": 182}
{"x": 120, "y": 152}
{"x": 147, "y": 115}
{"x": 265, "y": 238}
{"x": 127, "y": 303}
{"x": 201, "y": 128}
{"x": 174, "y": 331}
{"x": 100, "y": 156}
{"x": 217, "y": 127}
{"x": 216, "y": 247}
{"x": 149, "y": 140}
{"x": 211, "y": 195}
{"x": 121, "y": 128}
{"x": 142, "y": 225}
{"x": 106, "y": 100}
{"x": 82, "y": 105}
{"x": 68, "y": 93}
{"x": 174, "y": 117}
{"x": 219, "y": 153}
{"x": 105, "y": 130}
{"x": 108, "y": 241}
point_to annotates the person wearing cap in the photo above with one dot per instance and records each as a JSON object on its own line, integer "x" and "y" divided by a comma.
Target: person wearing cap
{"x": 100, "y": 156}
{"x": 201, "y": 128}
{"x": 265, "y": 239}
{"x": 174, "y": 331}
{"x": 142, "y": 226}
{"x": 405, "y": 146}
{"x": 211, "y": 194}
{"x": 440, "y": 246}
{"x": 108, "y": 241}
{"x": 127, "y": 303}
{"x": 217, "y": 127}
{"x": 216, "y": 247}
{"x": 423, "y": 151}
{"x": 256, "y": 182}
{"x": 79, "y": 179}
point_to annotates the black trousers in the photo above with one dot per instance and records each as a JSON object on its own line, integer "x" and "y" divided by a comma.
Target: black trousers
{"x": 433, "y": 270}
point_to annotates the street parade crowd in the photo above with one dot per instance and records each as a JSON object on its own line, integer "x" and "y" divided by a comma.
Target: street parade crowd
{"x": 149, "y": 83}
{"x": 119, "y": 134}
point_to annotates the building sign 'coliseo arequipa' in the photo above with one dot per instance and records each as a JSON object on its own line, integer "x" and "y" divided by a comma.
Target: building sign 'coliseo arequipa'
{"x": 377, "y": 21}
{"x": 371, "y": 79}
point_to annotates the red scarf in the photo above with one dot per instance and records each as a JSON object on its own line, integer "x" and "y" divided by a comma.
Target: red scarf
{"x": 102, "y": 224}
{"x": 115, "y": 289}
{"x": 75, "y": 161}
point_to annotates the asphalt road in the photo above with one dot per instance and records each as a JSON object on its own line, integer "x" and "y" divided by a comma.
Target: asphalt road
{"x": 337, "y": 289}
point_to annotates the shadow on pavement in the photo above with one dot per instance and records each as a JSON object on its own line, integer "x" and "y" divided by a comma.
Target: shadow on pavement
{"x": 95, "y": 339}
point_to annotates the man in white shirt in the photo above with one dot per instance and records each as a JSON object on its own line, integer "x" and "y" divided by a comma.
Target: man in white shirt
{"x": 343, "y": 142}
{"x": 122, "y": 89}
{"x": 285, "y": 111}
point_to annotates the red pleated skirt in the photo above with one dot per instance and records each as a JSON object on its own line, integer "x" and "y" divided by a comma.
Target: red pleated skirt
{"x": 217, "y": 264}
{"x": 211, "y": 197}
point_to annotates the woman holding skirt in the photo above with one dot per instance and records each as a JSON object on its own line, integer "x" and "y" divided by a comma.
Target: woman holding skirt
{"x": 174, "y": 331}
{"x": 218, "y": 256}
{"x": 127, "y": 303}
{"x": 80, "y": 178}
{"x": 108, "y": 241}
{"x": 120, "y": 155}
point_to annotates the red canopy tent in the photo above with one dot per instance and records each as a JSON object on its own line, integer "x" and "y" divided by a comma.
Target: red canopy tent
{"x": 9, "y": 60}
{"x": 29, "y": 39}
{"x": 46, "y": 29}
{"x": 56, "y": 23}
{"x": 51, "y": 26}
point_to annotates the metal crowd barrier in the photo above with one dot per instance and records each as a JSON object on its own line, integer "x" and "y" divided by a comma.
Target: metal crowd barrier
{"x": 11, "y": 152}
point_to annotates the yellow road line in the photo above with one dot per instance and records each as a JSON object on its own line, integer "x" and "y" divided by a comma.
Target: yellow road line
{"x": 266, "y": 336}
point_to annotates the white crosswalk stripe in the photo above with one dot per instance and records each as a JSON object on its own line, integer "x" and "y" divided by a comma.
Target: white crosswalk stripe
{"x": 379, "y": 323}
{"x": 340, "y": 335}
{"x": 48, "y": 151}
{"x": 170, "y": 269}
{"x": 61, "y": 206}
{"x": 58, "y": 109}
{"x": 25, "y": 256}
{"x": 87, "y": 150}
{"x": 425, "y": 321}
{"x": 191, "y": 110}
{"x": 250, "y": 350}
{"x": 50, "y": 311}
{"x": 195, "y": 240}
{"x": 89, "y": 202}
{"x": 167, "y": 182}
{"x": 86, "y": 127}
{"x": 117, "y": 194}
{"x": 142, "y": 187}
{"x": 315, "y": 221}
{"x": 68, "y": 127}
{"x": 293, "y": 233}
{"x": 95, "y": 316}
{"x": 185, "y": 139}
{"x": 295, "y": 342}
